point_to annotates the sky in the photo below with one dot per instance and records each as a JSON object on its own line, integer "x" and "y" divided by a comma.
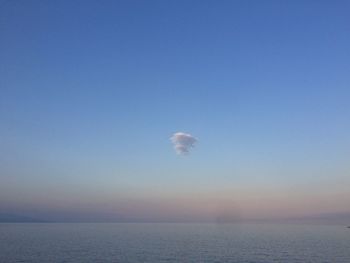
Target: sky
{"x": 91, "y": 93}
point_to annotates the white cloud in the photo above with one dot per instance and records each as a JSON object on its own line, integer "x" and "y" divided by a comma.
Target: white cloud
{"x": 183, "y": 142}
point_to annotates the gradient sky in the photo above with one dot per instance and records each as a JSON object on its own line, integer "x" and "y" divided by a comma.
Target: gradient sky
{"x": 91, "y": 92}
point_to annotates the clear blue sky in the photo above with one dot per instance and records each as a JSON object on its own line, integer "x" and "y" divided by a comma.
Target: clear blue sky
{"x": 91, "y": 92}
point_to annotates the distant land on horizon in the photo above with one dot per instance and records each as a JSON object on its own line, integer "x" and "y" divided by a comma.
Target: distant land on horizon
{"x": 327, "y": 218}
{"x": 11, "y": 218}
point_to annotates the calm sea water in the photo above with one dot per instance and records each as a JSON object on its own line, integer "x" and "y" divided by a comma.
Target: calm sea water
{"x": 173, "y": 243}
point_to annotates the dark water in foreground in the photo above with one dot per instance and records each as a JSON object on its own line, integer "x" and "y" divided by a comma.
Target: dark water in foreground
{"x": 173, "y": 243}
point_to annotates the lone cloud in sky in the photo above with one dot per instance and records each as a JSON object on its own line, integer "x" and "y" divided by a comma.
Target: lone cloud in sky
{"x": 183, "y": 142}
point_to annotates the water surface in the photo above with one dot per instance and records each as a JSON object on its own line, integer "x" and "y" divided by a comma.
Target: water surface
{"x": 134, "y": 242}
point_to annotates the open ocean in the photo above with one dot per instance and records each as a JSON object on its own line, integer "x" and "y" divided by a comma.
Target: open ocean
{"x": 135, "y": 242}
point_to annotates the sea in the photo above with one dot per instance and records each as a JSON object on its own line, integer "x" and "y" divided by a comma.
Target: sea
{"x": 167, "y": 242}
